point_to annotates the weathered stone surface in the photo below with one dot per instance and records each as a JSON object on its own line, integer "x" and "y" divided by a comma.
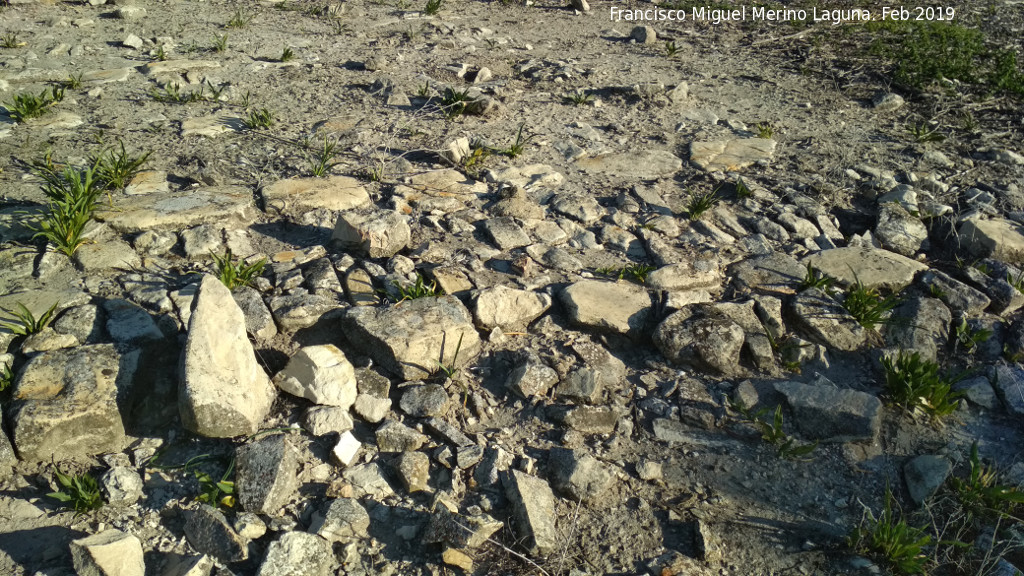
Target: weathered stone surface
{"x": 129, "y": 323}
{"x": 258, "y": 320}
{"x": 829, "y": 414}
{"x": 321, "y": 374}
{"x": 703, "y": 335}
{"x": 393, "y": 436}
{"x": 958, "y": 296}
{"x": 109, "y": 553}
{"x": 342, "y": 519}
{"x": 414, "y": 470}
{"x": 1009, "y": 385}
{"x": 578, "y": 474}
{"x": 900, "y": 231}
{"x": 925, "y": 474}
{"x": 702, "y": 273}
{"x": 459, "y": 531}
{"x": 998, "y": 238}
{"x": 297, "y": 311}
{"x": 586, "y": 419}
{"x": 121, "y": 486}
{"x": 174, "y": 210}
{"x": 297, "y": 554}
{"x": 322, "y": 420}
{"x": 368, "y": 480}
{"x": 531, "y": 376}
{"x": 371, "y": 408}
{"x": 506, "y": 233}
{"x": 208, "y": 126}
{"x": 581, "y": 385}
{"x": 581, "y": 207}
{"x": 65, "y": 403}
{"x": 775, "y": 273}
{"x": 825, "y": 321}
{"x": 347, "y": 448}
{"x": 608, "y": 306}
{"x": 533, "y": 506}
{"x": 224, "y": 391}
{"x": 113, "y": 253}
{"x": 731, "y": 155}
{"x": 424, "y": 401}
{"x": 299, "y": 195}
{"x": 645, "y": 165}
{"x": 266, "y": 474}
{"x": 922, "y": 325}
{"x": 209, "y": 533}
{"x": 872, "y": 267}
{"x": 377, "y": 234}
{"x": 508, "y": 308}
{"x": 410, "y": 339}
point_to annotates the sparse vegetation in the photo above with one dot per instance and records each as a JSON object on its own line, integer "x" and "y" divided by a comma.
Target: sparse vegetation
{"x": 220, "y": 43}
{"x": 519, "y": 145}
{"x": 10, "y": 41}
{"x": 815, "y": 278}
{"x": 637, "y": 272}
{"x": 891, "y": 539}
{"x": 453, "y": 102}
{"x": 236, "y": 274}
{"x": 418, "y": 289}
{"x": 982, "y": 494}
{"x": 23, "y": 322}
{"x": 867, "y": 306}
{"x": 915, "y": 385}
{"x": 701, "y": 202}
{"x": 287, "y": 54}
{"x": 6, "y": 376}
{"x": 114, "y": 170}
{"x": 773, "y": 432}
{"x": 72, "y": 199}
{"x": 80, "y": 492}
{"x": 579, "y": 97}
{"x": 432, "y": 7}
{"x": 765, "y": 130}
{"x": 217, "y": 493}
{"x": 969, "y": 337}
{"x": 670, "y": 49}
{"x": 323, "y": 161}
{"x": 239, "y": 20}
{"x": 74, "y": 82}
{"x": 259, "y": 119}
{"x": 742, "y": 190}
{"x": 924, "y": 133}
{"x": 27, "y": 105}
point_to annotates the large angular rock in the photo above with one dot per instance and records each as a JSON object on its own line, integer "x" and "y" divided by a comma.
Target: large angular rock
{"x": 1009, "y": 385}
{"x": 829, "y": 414}
{"x": 925, "y": 474}
{"x": 299, "y": 195}
{"x": 341, "y": 520}
{"x": 377, "y": 234}
{"x": 775, "y": 273}
{"x": 175, "y": 210}
{"x": 998, "y": 238}
{"x": 872, "y": 267}
{"x": 109, "y": 553}
{"x": 412, "y": 339}
{"x": 65, "y": 403}
{"x": 297, "y": 554}
{"x": 266, "y": 474}
{"x": 208, "y": 531}
{"x": 958, "y": 296}
{"x": 393, "y": 436}
{"x": 321, "y": 374}
{"x": 921, "y": 325}
{"x": 258, "y": 320}
{"x": 129, "y": 323}
{"x": 731, "y": 155}
{"x": 646, "y": 165}
{"x": 224, "y": 392}
{"x": 578, "y": 474}
{"x": 900, "y": 231}
{"x": 508, "y": 308}
{"x": 531, "y": 376}
{"x": 700, "y": 334}
{"x": 533, "y": 506}
{"x": 425, "y": 401}
{"x": 607, "y": 306}
{"x": 689, "y": 275}
{"x": 824, "y": 321}
{"x": 459, "y": 531}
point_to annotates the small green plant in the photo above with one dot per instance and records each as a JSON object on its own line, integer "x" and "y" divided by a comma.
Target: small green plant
{"x": 322, "y": 163}
{"x": 287, "y": 54}
{"x": 867, "y": 306}
{"x": 114, "y": 170}
{"x": 80, "y": 492}
{"x": 74, "y": 82}
{"x": 27, "y": 105}
{"x": 72, "y": 199}
{"x": 670, "y": 49}
{"x": 10, "y": 41}
{"x": 519, "y": 146}
{"x": 1016, "y": 281}
{"x": 891, "y": 539}
{"x": 924, "y": 133}
{"x": 425, "y": 91}
{"x": 981, "y": 493}
{"x": 579, "y": 97}
{"x": 451, "y": 369}
{"x": 160, "y": 54}
{"x": 815, "y": 278}
{"x": 772, "y": 431}
{"x": 742, "y": 190}
{"x": 172, "y": 93}
{"x": 239, "y": 20}
{"x": 257, "y": 119}
{"x": 915, "y": 385}
{"x": 23, "y": 322}
{"x": 432, "y": 7}
{"x": 701, "y": 202}
{"x": 236, "y": 274}
{"x": 453, "y": 102}
{"x": 765, "y": 130}
{"x": 418, "y": 289}
{"x": 217, "y": 493}
{"x": 969, "y": 337}
{"x": 473, "y": 162}
{"x": 638, "y": 272}
{"x": 6, "y": 377}
{"x": 220, "y": 43}
{"x": 935, "y": 292}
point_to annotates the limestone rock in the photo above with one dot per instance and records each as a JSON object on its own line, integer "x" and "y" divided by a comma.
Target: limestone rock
{"x": 925, "y": 474}
{"x": 829, "y": 414}
{"x": 731, "y": 155}
{"x": 826, "y": 322}
{"x": 533, "y": 506}
{"x": 531, "y": 376}
{"x": 342, "y": 519}
{"x": 872, "y": 267}
{"x": 209, "y": 533}
{"x": 266, "y": 474}
{"x": 224, "y": 391}
{"x": 377, "y": 234}
{"x": 578, "y": 474}
{"x": 998, "y": 238}
{"x": 607, "y": 306}
{"x": 297, "y": 554}
{"x": 700, "y": 334}
{"x": 645, "y": 165}
{"x": 321, "y": 374}
{"x": 508, "y": 308}
{"x": 299, "y": 195}
{"x": 175, "y": 210}
{"x": 109, "y": 553}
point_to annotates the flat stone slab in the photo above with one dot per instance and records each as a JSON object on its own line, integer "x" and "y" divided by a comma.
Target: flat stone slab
{"x": 173, "y": 211}
{"x": 107, "y": 76}
{"x": 874, "y": 268}
{"x": 731, "y": 155}
{"x": 829, "y": 414}
{"x": 533, "y": 505}
{"x": 178, "y": 66}
{"x": 209, "y": 126}
{"x": 998, "y": 238}
{"x": 299, "y": 195}
{"x": 608, "y": 306}
{"x": 647, "y": 165}
{"x": 56, "y": 119}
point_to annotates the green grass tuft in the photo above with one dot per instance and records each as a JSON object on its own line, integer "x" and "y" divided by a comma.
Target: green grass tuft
{"x": 80, "y": 492}
{"x": 236, "y": 274}
{"x": 23, "y": 322}
{"x": 915, "y": 385}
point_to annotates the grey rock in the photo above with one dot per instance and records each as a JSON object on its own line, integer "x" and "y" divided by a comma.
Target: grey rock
{"x": 224, "y": 391}
{"x": 979, "y": 392}
{"x": 202, "y": 241}
{"x": 393, "y": 436}
{"x": 688, "y": 275}
{"x": 578, "y": 474}
{"x": 109, "y": 553}
{"x": 649, "y": 470}
{"x": 425, "y": 401}
{"x": 797, "y": 226}
{"x": 582, "y": 384}
{"x": 65, "y": 403}
{"x": 586, "y": 419}
{"x": 408, "y": 340}
{"x": 121, "y": 485}
{"x": 886, "y": 101}
{"x": 533, "y": 506}
{"x": 377, "y": 234}
{"x": 872, "y": 267}
{"x": 321, "y": 374}
{"x": 266, "y": 475}
{"x": 85, "y": 323}
{"x": 208, "y": 531}
{"x": 191, "y": 565}
{"x": 829, "y": 414}
{"x": 924, "y": 475}
{"x": 458, "y": 531}
{"x": 731, "y": 155}
{"x": 368, "y": 480}
{"x": 129, "y": 323}
{"x": 414, "y": 470}
{"x": 644, "y": 35}
{"x": 607, "y": 306}
{"x": 619, "y": 240}
{"x": 508, "y": 308}
{"x": 371, "y": 408}
{"x": 579, "y": 207}
{"x": 703, "y": 335}
{"x": 922, "y": 326}
{"x": 250, "y": 526}
{"x": 531, "y": 376}
{"x": 448, "y": 433}
{"x": 293, "y": 312}
{"x": 506, "y": 233}
{"x": 175, "y": 210}
{"x": 958, "y": 296}
{"x": 297, "y": 554}
{"x": 900, "y": 231}
{"x": 102, "y": 256}
{"x": 258, "y": 320}
{"x": 340, "y": 520}
{"x": 322, "y": 420}
{"x": 775, "y": 273}
{"x": 824, "y": 321}
{"x": 1009, "y": 385}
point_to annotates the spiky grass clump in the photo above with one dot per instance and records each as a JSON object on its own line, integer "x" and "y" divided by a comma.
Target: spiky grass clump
{"x": 915, "y": 385}
{"x": 235, "y": 274}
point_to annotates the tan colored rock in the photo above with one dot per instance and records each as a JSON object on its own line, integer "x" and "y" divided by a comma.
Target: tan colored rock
{"x": 610, "y": 306}
{"x": 298, "y": 195}
{"x": 222, "y": 205}
{"x": 731, "y": 155}
{"x": 109, "y": 553}
{"x": 874, "y": 268}
{"x": 998, "y": 238}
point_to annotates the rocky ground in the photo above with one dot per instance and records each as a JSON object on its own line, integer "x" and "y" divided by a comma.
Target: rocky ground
{"x": 535, "y": 285}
